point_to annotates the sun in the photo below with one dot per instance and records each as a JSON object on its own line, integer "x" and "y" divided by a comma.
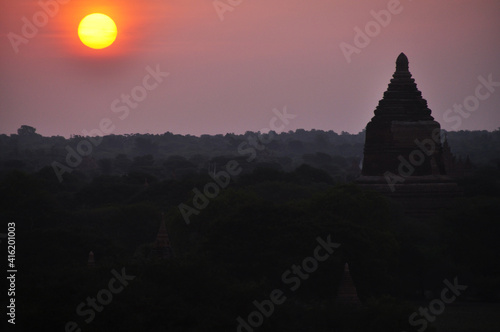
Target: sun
{"x": 97, "y": 31}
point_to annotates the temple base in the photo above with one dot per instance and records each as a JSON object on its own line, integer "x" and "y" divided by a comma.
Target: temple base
{"x": 418, "y": 196}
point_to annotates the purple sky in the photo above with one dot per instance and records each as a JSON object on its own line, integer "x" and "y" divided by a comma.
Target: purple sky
{"x": 228, "y": 76}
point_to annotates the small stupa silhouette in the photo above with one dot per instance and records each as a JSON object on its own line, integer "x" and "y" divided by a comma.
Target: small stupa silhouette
{"x": 91, "y": 261}
{"x": 162, "y": 248}
{"x": 347, "y": 293}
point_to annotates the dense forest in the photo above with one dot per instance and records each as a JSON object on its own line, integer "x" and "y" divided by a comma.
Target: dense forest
{"x": 170, "y": 156}
{"x": 289, "y": 192}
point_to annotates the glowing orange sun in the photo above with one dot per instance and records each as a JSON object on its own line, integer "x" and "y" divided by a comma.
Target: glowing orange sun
{"x": 97, "y": 31}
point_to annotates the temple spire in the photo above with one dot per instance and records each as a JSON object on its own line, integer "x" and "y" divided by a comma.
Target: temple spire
{"x": 402, "y": 63}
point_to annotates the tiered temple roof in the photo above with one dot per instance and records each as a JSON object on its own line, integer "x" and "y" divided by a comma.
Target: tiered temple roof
{"x": 401, "y": 118}
{"x": 402, "y": 100}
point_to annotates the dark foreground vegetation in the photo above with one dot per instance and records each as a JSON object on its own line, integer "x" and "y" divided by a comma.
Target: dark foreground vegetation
{"x": 237, "y": 248}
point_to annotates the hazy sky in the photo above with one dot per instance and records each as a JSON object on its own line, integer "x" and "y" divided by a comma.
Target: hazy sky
{"x": 228, "y": 75}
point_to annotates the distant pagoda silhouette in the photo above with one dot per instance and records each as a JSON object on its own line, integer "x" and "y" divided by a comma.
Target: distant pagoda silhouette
{"x": 455, "y": 167}
{"x": 347, "y": 293}
{"x": 403, "y": 153}
{"x": 162, "y": 248}
{"x": 91, "y": 261}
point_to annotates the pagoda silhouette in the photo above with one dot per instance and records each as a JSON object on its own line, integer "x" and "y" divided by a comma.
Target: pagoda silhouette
{"x": 162, "y": 248}
{"x": 347, "y": 294}
{"x": 403, "y": 152}
{"x": 91, "y": 261}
